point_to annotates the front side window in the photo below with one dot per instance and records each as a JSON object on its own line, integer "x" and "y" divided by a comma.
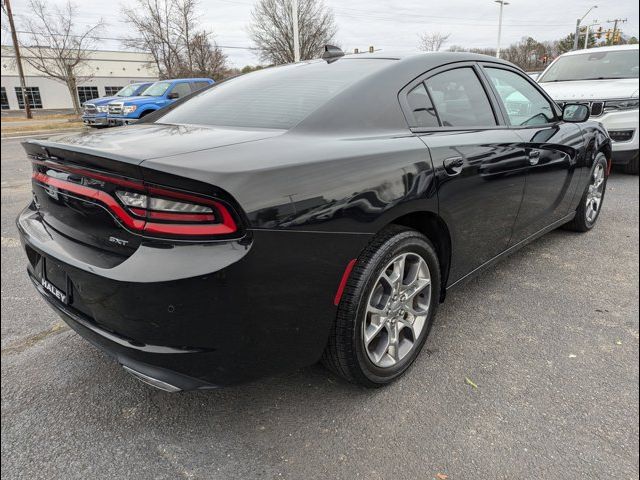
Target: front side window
{"x": 180, "y": 90}
{"x": 422, "y": 111}
{"x": 524, "y": 104}
{"x": 87, "y": 93}
{"x": 157, "y": 89}
{"x": 460, "y": 99}
{"x": 594, "y": 65}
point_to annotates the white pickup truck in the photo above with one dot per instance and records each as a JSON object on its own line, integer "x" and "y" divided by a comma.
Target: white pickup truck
{"x": 605, "y": 78}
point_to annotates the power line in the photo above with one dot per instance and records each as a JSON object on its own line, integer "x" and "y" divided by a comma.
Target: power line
{"x": 122, "y": 39}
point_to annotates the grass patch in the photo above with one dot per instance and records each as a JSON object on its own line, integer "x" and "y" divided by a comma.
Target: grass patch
{"x": 46, "y": 126}
{"x": 53, "y": 116}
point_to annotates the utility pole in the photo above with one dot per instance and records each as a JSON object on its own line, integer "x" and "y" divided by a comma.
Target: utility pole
{"x": 615, "y": 22}
{"x": 296, "y": 31}
{"x": 16, "y": 49}
{"x": 502, "y": 4}
{"x": 578, "y": 22}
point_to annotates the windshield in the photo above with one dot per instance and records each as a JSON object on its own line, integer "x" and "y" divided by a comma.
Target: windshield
{"x": 156, "y": 90}
{"x": 127, "y": 91}
{"x": 278, "y": 97}
{"x": 593, "y": 65}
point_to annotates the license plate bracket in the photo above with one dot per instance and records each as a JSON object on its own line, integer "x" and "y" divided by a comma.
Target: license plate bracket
{"x": 55, "y": 281}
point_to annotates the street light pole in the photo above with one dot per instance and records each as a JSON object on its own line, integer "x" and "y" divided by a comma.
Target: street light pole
{"x": 296, "y": 31}
{"x": 578, "y": 22}
{"x": 502, "y": 4}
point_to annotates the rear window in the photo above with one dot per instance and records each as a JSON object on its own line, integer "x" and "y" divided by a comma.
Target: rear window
{"x": 278, "y": 97}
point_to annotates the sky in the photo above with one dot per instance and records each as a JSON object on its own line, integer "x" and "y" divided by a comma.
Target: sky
{"x": 389, "y": 25}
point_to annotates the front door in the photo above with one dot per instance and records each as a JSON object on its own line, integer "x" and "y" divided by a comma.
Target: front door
{"x": 551, "y": 148}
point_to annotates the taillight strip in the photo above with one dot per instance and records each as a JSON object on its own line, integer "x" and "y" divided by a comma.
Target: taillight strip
{"x": 93, "y": 194}
{"x": 227, "y": 226}
{"x": 133, "y": 184}
{"x": 171, "y": 216}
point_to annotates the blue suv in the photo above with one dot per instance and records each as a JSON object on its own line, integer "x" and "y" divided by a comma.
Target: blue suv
{"x": 95, "y": 111}
{"x": 158, "y": 95}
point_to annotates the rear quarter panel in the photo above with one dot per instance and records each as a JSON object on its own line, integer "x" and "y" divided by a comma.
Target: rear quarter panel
{"x": 316, "y": 183}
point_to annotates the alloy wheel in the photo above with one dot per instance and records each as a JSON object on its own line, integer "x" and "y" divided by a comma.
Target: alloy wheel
{"x": 595, "y": 193}
{"x": 397, "y": 310}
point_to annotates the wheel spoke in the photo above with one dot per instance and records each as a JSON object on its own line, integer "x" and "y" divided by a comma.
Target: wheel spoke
{"x": 418, "y": 286}
{"x": 373, "y": 330}
{"x": 397, "y": 271}
{"x": 408, "y": 323}
{"x": 394, "y": 343}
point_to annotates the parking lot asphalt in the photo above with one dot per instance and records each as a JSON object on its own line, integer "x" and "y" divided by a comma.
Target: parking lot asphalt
{"x": 549, "y": 337}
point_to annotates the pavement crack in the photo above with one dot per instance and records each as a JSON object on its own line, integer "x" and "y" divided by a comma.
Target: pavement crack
{"x": 34, "y": 339}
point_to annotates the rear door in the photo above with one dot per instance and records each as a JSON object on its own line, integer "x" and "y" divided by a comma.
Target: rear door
{"x": 479, "y": 161}
{"x": 551, "y": 148}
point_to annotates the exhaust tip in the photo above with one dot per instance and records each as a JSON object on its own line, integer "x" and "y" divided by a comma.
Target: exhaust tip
{"x": 154, "y": 382}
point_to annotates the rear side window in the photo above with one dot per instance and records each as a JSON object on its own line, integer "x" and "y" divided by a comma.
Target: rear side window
{"x": 525, "y": 105}
{"x": 460, "y": 99}
{"x": 195, "y": 86}
{"x": 422, "y": 111}
{"x": 277, "y": 97}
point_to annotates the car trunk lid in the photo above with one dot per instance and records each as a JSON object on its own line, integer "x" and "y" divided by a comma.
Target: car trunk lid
{"x": 78, "y": 184}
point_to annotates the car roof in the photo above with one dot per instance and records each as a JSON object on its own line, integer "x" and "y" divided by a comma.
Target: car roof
{"x": 613, "y": 48}
{"x": 359, "y": 106}
{"x": 186, "y": 80}
{"x": 429, "y": 57}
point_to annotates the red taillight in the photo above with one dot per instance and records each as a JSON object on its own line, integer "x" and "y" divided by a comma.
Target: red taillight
{"x": 146, "y": 208}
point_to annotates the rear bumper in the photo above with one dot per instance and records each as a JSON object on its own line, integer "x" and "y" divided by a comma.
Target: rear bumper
{"x": 266, "y": 310}
{"x": 146, "y": 360}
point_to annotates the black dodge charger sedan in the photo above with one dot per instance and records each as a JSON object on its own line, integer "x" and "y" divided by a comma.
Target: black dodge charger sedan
{"x": 319, "y": 210}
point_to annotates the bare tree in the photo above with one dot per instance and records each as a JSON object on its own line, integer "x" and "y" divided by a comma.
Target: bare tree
{"x": 432, "y": 42}
{"x": 207, "y": 60}
{"x": 169, "y": 31}
{"x": 56, "y": 47}
{"x": 271, "y": 29}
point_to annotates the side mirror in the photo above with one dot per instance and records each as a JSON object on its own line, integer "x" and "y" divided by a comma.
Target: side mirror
{"x": 173, "y": 96}
{"x": 575, "y": 113}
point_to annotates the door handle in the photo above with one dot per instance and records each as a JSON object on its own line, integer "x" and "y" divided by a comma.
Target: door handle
{"x": 534, "y": 157}
{"x": 453, "y": 166}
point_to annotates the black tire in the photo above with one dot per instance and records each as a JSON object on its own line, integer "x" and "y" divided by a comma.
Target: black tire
{"x": 631, "y": 168}
{"x": 345, "y": 352}
{"x": 580, "y": 222}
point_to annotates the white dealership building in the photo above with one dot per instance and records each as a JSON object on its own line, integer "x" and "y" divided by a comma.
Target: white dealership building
{"x": 107, "y": 72}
